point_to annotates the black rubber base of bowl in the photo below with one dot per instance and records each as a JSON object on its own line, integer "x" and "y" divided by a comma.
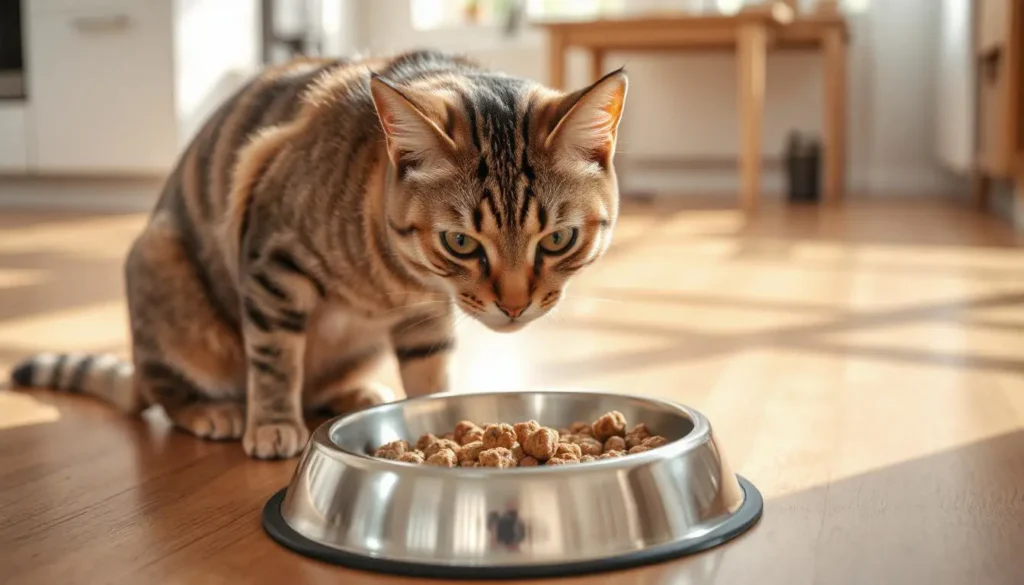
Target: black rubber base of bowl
{"x": 744, "y": 518}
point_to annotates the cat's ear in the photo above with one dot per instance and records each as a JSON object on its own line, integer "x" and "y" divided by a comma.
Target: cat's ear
{"x": 588, "y": 120}
{"x": 412, "y": 137}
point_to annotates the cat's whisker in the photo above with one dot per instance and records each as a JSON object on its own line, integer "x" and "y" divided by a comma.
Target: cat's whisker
{"x": 420, "y": 322}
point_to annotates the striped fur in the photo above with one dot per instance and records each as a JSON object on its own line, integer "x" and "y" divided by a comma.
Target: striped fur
{"x": 102, "y": 376}
{"x": 300, "y": 239}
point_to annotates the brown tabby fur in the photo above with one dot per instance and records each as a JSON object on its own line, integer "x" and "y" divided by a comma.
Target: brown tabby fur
{"x": 297, "y": 241}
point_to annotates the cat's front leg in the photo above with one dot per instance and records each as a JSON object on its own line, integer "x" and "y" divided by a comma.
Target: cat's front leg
{"x": 423, "y": 345}
{"x": 279, "y": 291}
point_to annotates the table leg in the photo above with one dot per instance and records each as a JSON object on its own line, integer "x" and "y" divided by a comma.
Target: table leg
{"x": 556, "y": 60}
{"x": 596, "y": 64}
{"x": 751, "y": 48}
{"x": 981, "y": 184}
{"x": 835, "y": 116}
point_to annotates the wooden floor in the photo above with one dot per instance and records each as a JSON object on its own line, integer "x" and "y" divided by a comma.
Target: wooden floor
{"x": 864, "y": 368}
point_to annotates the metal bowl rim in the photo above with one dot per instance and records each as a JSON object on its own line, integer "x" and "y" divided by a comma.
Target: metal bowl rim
{"x": 700, "y": 434}
{"x": 732, "y": 526}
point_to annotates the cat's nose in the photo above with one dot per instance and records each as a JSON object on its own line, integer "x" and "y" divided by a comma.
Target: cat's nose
{"x": 513, "y": 311}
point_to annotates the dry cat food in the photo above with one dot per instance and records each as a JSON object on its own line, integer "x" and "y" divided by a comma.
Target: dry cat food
{"x": 525, "y": 444}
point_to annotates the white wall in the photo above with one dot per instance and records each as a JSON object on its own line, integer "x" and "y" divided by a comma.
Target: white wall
{"x": 954, "y": 86}
{"x": 216, "y": 47}
{"x": 685, "y": 105}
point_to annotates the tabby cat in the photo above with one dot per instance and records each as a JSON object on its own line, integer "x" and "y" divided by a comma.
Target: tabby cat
{"x": 333, "y": 211}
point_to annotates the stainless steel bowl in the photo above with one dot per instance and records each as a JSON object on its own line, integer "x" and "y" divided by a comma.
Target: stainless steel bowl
{"x": 346, "y": 507}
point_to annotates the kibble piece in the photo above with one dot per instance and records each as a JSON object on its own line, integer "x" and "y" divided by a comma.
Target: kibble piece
{"x": 472, "y": 436}
{"x": 610, "y": 424}
{"x": 541, "y": 444}
{"x": 500, "y": 435}
{"x": 442, "y": 445}
{"x": 443, "y": 458}
{"x": 589, "y": 445}
{"x": 654, "y": 442}
{"x": 383, "y": 453}
{"x": 498, "y": 457}
{"x": 525, "y": 444}
{"x": 528, "y": 462}
{"x": 581, "y": 428}
{"x": 411, "y": 457}
{"x": 637, "y": 435}
{"x": 471, "y": 451}
{"x": 615, "y": 444}
{"x": 524, "y": 429}
{"x": 400, "y": 445}
{"x": 392, "y": 450}
{"x": 567, "y": 451}
{"x": 426, "y": 441}
{"x": 462, "y": 428}
{"x": 560, "y": 461}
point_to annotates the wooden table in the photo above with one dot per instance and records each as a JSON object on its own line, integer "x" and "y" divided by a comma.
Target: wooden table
{"x": 999, "y": 86}
{"x": 751, "y": 33}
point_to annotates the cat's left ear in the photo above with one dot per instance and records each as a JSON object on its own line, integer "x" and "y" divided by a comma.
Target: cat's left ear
{"x": 413, "y": 139}
{"x": 590, "y": 121}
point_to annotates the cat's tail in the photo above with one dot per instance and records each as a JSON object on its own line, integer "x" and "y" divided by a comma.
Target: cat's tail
{"x": 104, "y": 376}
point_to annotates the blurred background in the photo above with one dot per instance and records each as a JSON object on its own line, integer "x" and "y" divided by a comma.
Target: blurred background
{"x": 114, "y": 88}
{"x": 819, "y": 247}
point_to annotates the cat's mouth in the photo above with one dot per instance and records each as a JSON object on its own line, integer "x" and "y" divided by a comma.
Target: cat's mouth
{"x": 503, "y": 324}
{"x": 510, "y": 325}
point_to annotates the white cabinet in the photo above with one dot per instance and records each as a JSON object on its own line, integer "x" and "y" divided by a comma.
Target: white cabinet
{"x": 107, "y": 91}
{"x": 955, "y": 96}
{"x": 13, "y": 156}
{"x": 101, "y": 89}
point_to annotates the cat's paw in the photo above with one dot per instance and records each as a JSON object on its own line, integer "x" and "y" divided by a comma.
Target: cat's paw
{"x": 215, "y": 421}
{"x": 275, "y": 440}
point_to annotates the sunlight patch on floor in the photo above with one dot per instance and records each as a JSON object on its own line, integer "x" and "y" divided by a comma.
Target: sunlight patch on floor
{"x": 100, "y": 237}
{"x": 954, "y": 341}
{"x": 18, "y": 277}
{"x": 1007, "y": 315}
{"x": 489, "y": 361}
{"x": 792, "y": 420}
{"x": 79, "y": 329}
{"x": 20, "y": 410}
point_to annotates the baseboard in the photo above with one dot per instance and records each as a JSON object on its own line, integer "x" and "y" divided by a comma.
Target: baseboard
{"x": 723, "y": 180}
{"x": 1008, "y": 205}
{"x": 713, "y": 180}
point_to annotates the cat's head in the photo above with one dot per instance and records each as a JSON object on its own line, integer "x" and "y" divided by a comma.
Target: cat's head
{"x": 503, "y": 189}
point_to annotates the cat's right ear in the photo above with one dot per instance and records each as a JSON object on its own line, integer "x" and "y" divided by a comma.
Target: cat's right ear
{"x": 588, "y": 120}
{"x": 413, "y": 139}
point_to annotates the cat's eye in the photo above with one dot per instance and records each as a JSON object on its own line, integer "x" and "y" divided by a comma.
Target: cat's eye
{"x": 558, "y": 242}
{"x": 459, "y": 244}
